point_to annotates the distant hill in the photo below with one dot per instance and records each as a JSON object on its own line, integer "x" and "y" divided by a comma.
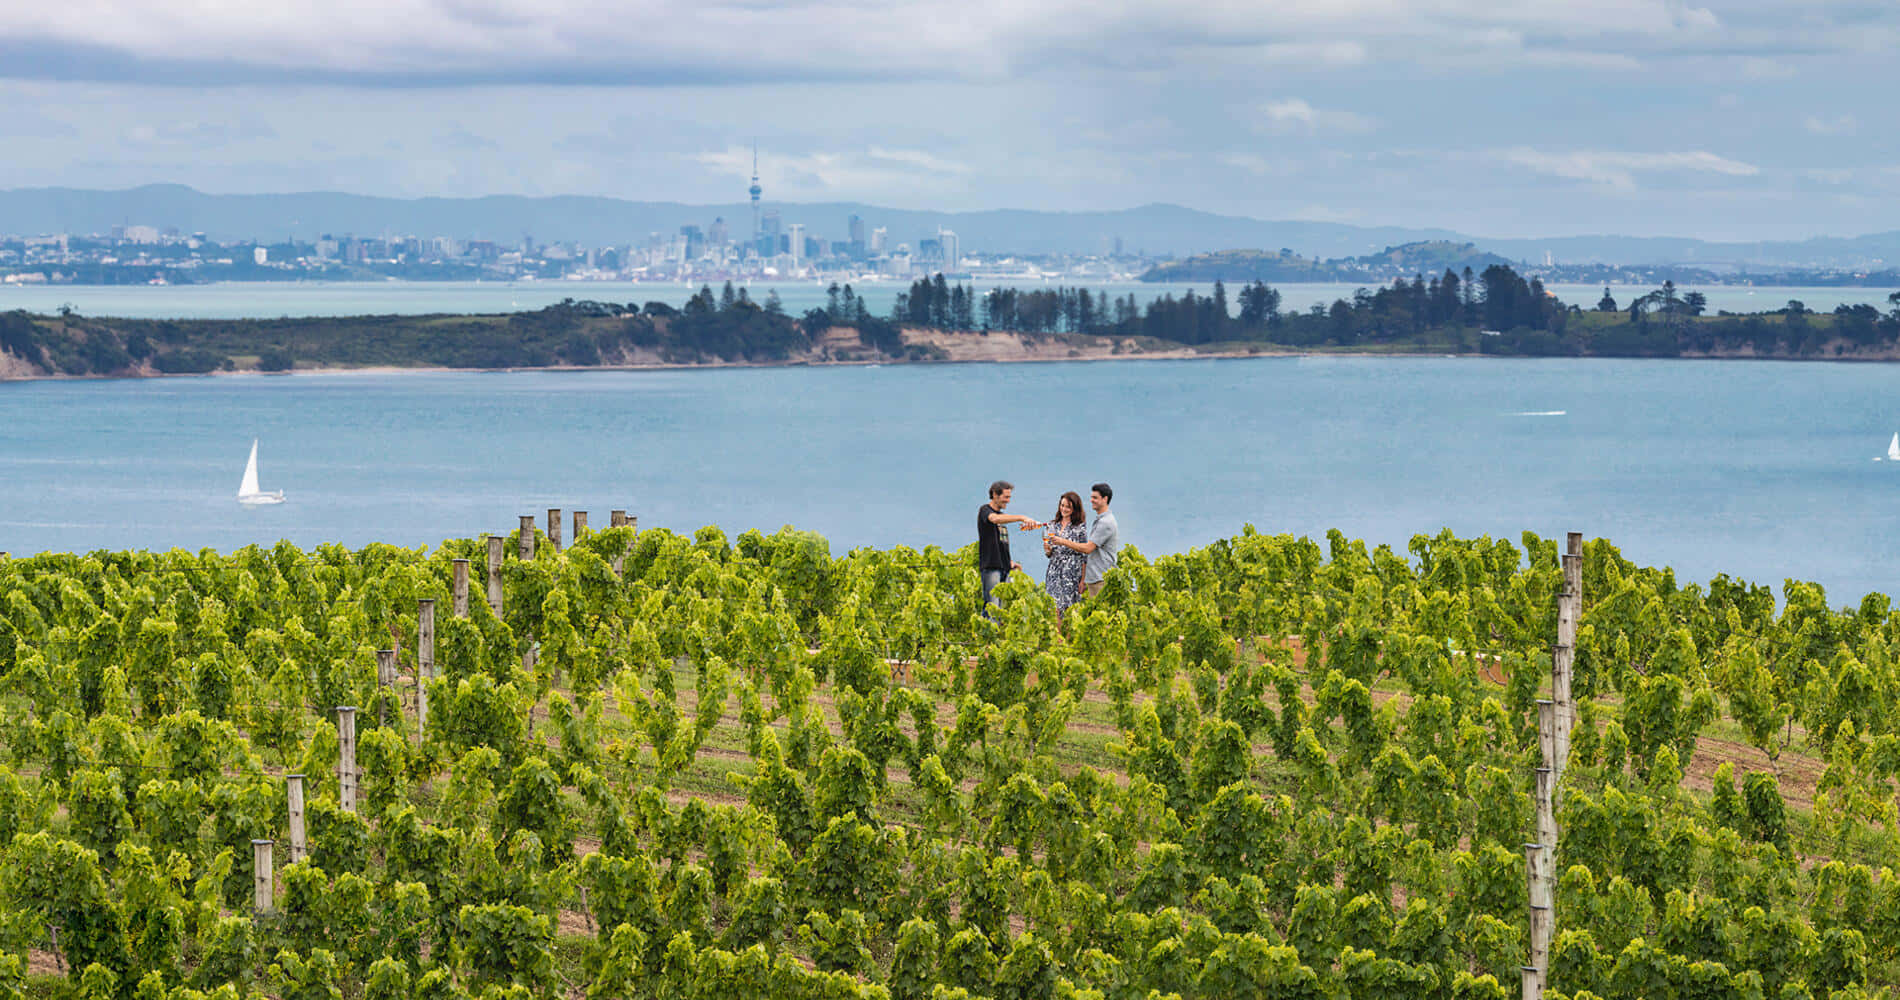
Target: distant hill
{"x": 1155, "y": 230}
{"x": 1427, "y": 257}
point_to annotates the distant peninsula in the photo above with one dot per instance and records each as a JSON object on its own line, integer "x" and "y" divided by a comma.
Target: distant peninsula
{"x": 1425, "y": 257}
{"x": 1495, "y": 312}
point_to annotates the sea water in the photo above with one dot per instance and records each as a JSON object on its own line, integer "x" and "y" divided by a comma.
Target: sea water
{"x": 1761, "y": 470}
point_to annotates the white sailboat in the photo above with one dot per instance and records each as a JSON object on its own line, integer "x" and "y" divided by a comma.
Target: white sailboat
{"x": 1893, "y": 448}
{"x": 248, "y": 493}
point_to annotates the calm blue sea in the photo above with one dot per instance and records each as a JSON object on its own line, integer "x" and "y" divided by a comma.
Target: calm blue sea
{"x": 1758, "y": 469}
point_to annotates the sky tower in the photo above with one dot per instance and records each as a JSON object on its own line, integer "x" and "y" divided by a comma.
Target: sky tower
{"x": 755, "y": 192}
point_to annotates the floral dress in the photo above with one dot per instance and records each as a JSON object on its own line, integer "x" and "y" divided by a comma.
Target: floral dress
{"x": 1064, "y": 579}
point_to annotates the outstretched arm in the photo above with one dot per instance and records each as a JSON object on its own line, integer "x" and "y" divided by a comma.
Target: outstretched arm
{"x": 1083, "y": 547}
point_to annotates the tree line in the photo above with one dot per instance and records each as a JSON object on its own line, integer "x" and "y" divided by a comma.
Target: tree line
{"x": 1496, "y": 311}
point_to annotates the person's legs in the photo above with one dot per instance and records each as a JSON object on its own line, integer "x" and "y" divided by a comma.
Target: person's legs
{"x": 991, "y": 577}
{"x": 1093, "y": 588}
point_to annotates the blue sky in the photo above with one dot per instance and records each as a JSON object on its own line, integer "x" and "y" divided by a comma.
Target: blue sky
{"x": 1723, "y": 120}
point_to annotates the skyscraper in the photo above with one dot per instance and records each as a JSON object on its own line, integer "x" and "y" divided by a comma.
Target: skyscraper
{"x": 798, "y": 244}
{"x": 768, "y": 234}
{"x": 952, "y": 249}
{"x": 856, "y": 227}
{"x": 878, "y": 238}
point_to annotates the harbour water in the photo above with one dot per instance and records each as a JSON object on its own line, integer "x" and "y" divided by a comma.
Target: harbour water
{"x": 1760, "y": 470}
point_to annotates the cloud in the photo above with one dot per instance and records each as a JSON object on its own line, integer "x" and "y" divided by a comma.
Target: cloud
{"x": 1291, "y": 114}
{"x": 873, "y": 171}
{"x": 199, "y": 132}
{"x": 1841, "y": 124}
{"x": 462, "y": 140}
{"x": 1618, "y": 170}
{"x": 725, "y": 42}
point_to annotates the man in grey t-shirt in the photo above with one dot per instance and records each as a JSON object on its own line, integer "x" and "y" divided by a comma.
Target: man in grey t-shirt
{"x": 1104, "y": 540}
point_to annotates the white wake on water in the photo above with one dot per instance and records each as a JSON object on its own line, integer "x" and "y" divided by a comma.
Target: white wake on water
{"x": 1540, "y": 413}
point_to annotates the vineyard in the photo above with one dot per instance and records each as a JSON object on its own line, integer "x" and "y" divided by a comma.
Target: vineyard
{"x": 695, "y": 768}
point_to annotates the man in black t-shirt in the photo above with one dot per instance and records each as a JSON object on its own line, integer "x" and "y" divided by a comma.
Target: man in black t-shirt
{"x": 992, "y": 537}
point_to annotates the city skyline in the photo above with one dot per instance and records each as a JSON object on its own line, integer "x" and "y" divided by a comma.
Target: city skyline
{"x": 1731, "y": 120}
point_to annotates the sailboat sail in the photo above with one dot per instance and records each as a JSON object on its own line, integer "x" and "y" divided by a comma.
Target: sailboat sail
{"x": 248, "y": 492}
{"x": 1893, "y": 449}
{"x": 249, "y": 486}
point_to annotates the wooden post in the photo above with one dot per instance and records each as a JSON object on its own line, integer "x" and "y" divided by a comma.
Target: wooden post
{"x": 580, "y": 523}
{"x": 529, "y": 656}
{"x": 495, "y": 552}
{"x": 525, "y": 547}
{"x": 618, "y": 519}
{"x": 1547, "y": 731}
{"x": 459, "y": 605}
{"x": 1546, "y": 808}
{"x": 346, "y": 757}
{"x": 293, "y": 787}
{"x": 425, "y": 657}
{"x": 1564, "y": 657}
{"x": 263, "y": 898}
{"x": 1537, "y": 865}
{"x": 554, "y": 528}
{"x": 1532, "y": 982}
{"x": 386, "y": 679}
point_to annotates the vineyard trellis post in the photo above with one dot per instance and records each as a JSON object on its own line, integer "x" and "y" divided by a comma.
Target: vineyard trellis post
{"x": 554, "y": 528}
{"x": 525, "y": 544}
{"x": 425, "y": 657}
{"x": 346, "y": 757}
{"x": 619, "y": 519}
{"x": 1555, "y": 717}
{"x": 580, "y": 523}
{"x": 459, "y": 605}
{"x": 495, "y": 551}
{"x": 262, "y": 896}
{"x": 293, "y": 792}
{"x": 1564, "y": 657}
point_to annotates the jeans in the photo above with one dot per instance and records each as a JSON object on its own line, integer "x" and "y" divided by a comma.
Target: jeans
{"x": 992, "y": 577}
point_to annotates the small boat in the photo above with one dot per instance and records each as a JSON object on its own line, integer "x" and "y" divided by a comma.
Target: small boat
{"x": 1893, "y": 448}
{"x": 248, "y": 493}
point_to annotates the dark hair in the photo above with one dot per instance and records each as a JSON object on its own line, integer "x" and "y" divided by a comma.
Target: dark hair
{"x": 1107, "y": 492}
{"x": 997, "y": 487}
{"x": 1075, "y": 509}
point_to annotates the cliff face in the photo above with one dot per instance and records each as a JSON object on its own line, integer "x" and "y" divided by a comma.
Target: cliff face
{"x": 13, "y": 366}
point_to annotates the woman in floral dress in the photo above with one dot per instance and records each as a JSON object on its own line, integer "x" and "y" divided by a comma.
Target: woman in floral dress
{"x": 1064, "y": 579}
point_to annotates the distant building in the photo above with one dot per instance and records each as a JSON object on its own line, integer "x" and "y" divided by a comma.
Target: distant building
{"x": 879, "y": 237}
{"x": 260, "y": 256}
{"x": 769, "y": 225}
{"x": 798, "y": 244}
{"x": 717, "y": 235}
{"x": 951, "y": 248}
{"x": 855, "y": 229}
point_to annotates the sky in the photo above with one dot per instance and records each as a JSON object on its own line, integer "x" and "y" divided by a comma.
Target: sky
{"x": 1739, "y": 119}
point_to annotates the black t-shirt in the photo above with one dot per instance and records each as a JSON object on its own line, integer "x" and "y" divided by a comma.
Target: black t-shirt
{"x": 992, "y": 541}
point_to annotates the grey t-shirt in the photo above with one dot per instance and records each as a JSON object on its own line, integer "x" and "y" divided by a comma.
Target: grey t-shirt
{"x": 1108, "y": 542}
